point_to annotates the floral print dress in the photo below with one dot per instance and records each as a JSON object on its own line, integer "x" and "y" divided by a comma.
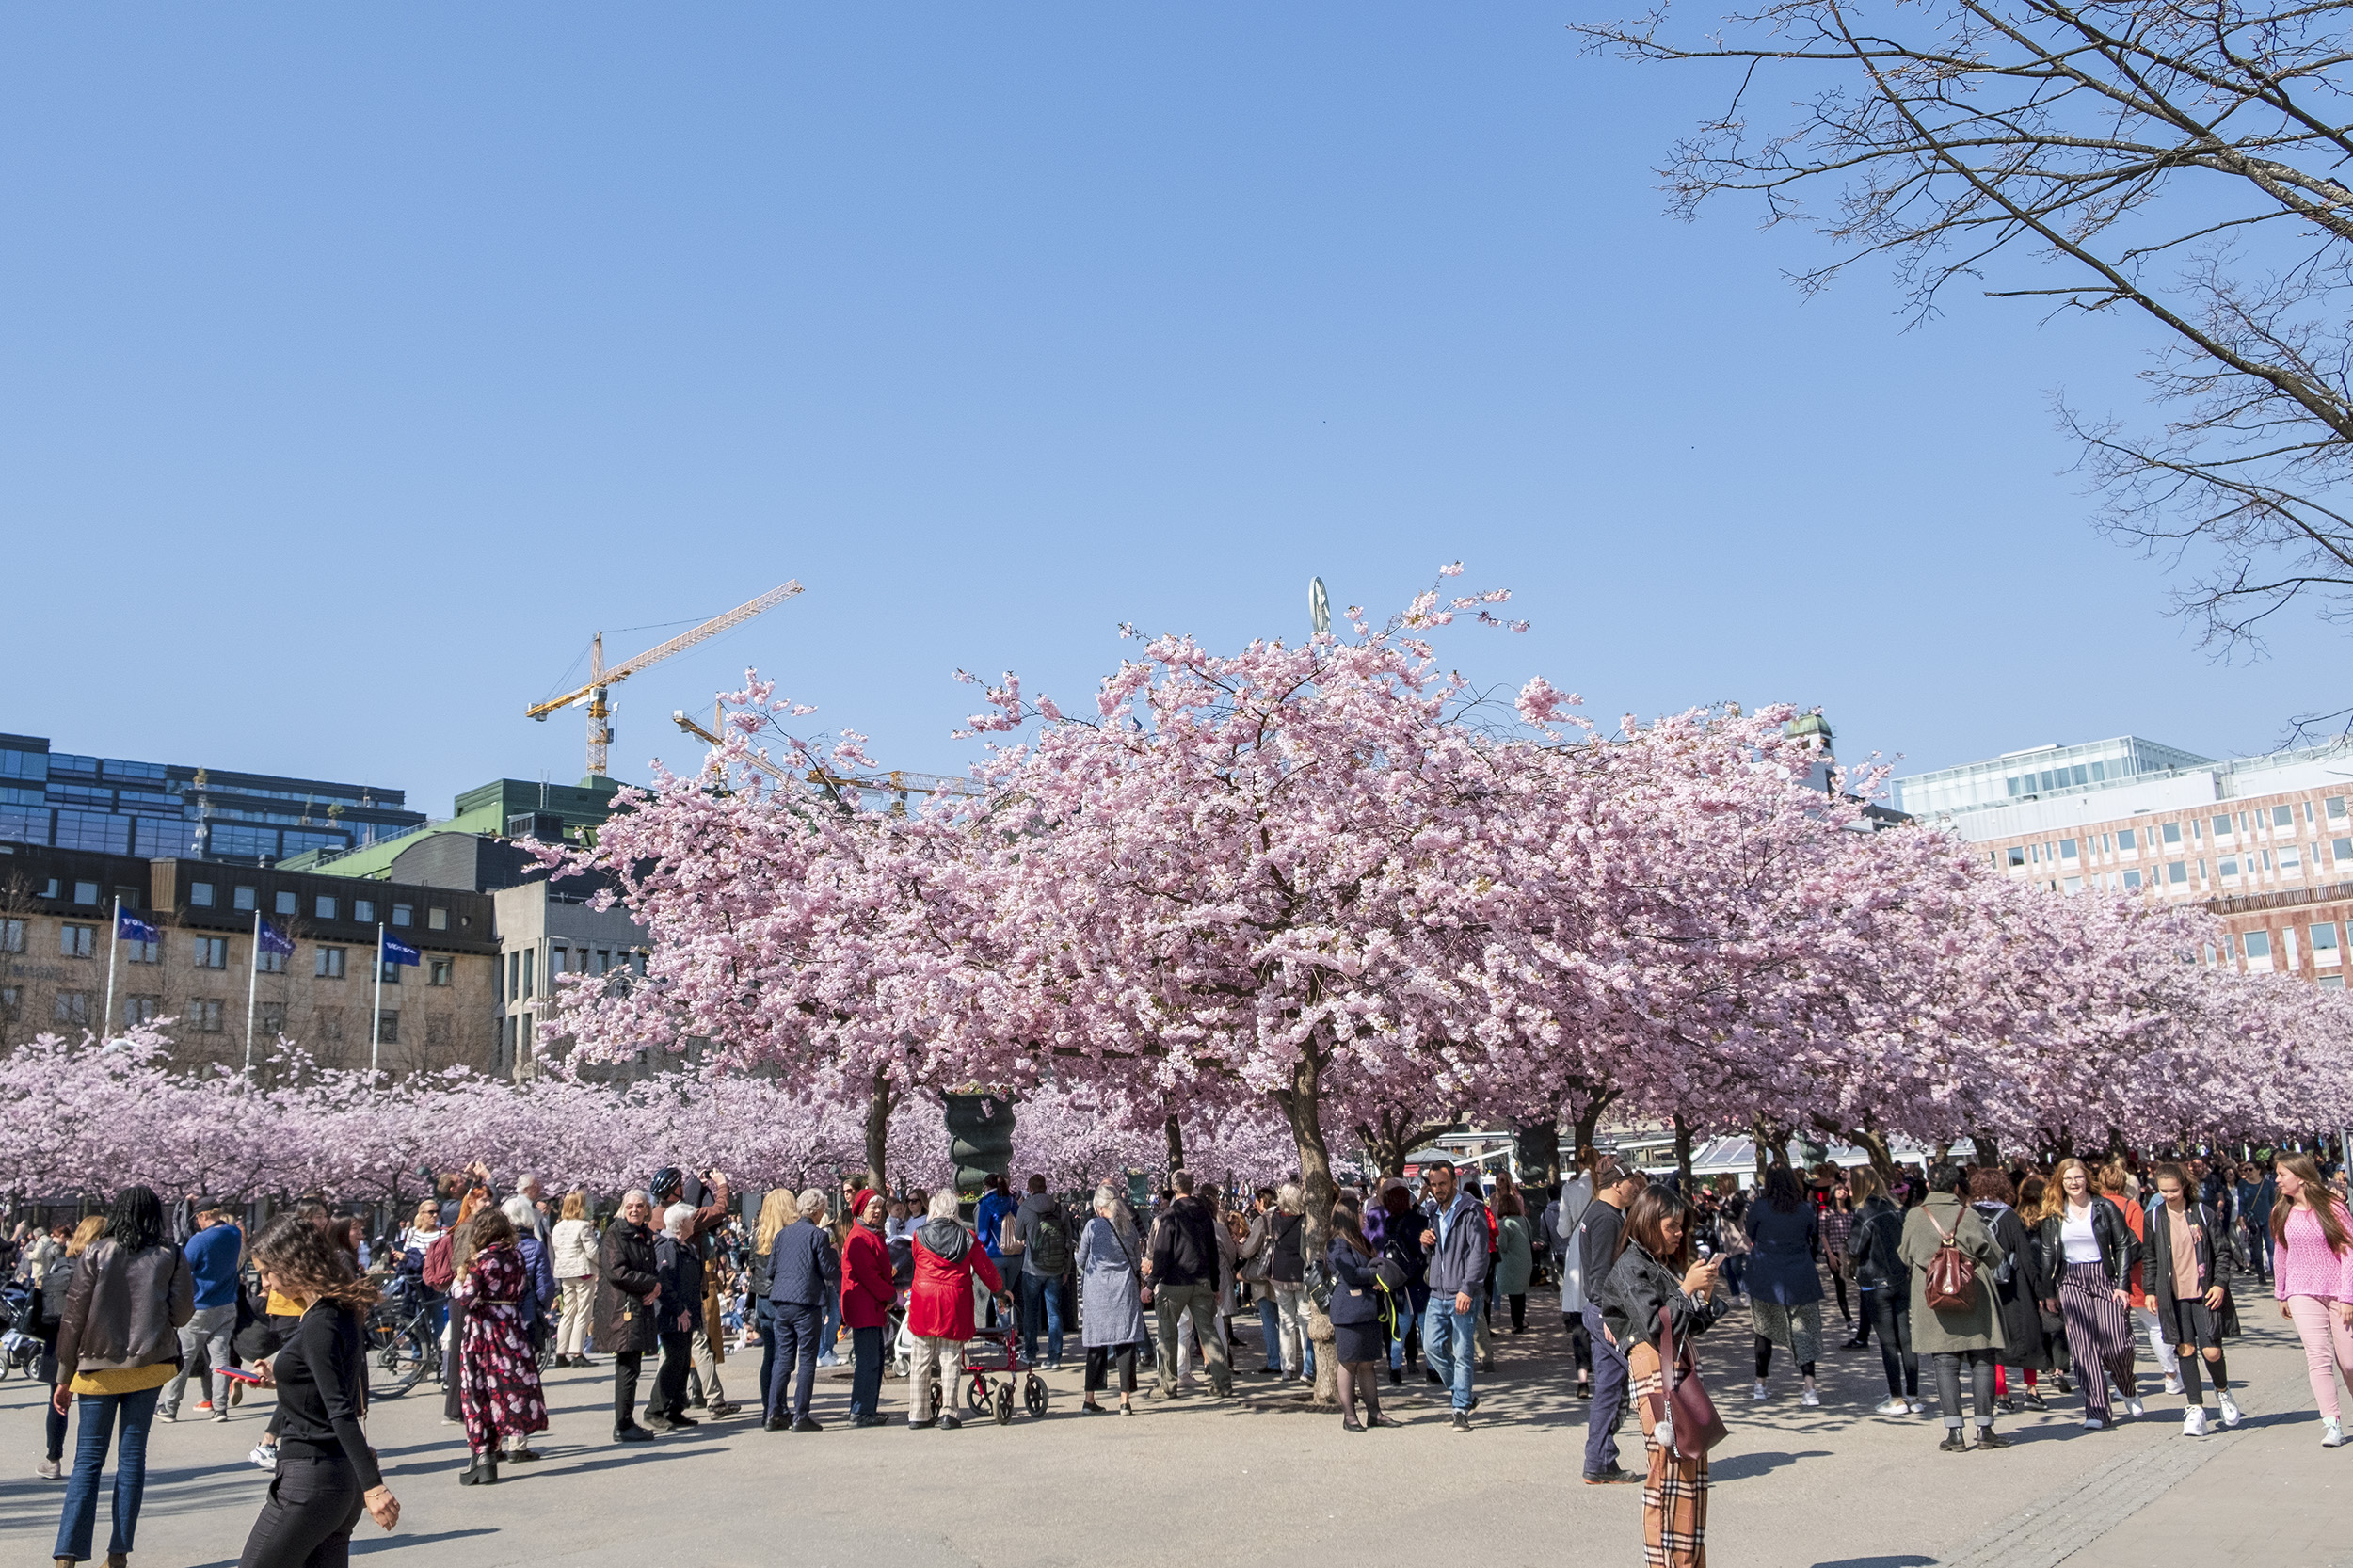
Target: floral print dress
{"x": 498, "y": 1368}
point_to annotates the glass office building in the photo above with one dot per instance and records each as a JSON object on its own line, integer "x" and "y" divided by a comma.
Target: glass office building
{"x": 165, "y": 812}
{"x": 2039, "y": 772}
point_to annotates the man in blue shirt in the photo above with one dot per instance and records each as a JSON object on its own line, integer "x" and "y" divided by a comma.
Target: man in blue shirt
{"x": 989, "y": 1218}
{"x": 1457, "y": 1244}
{"x": 213, "y": 1254}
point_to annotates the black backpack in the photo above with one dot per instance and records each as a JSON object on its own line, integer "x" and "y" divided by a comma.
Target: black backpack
{"x": 1049, "y": 1246}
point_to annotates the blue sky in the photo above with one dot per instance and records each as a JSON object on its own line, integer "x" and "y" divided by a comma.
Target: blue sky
{"x": 360, "y": 361}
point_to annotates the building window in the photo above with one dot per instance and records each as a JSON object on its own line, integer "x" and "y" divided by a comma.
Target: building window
{"x": 391, "y": 971}
{"x": 2131, "y": 880}
{"x": 12, "y": 936}
{"x": 2230, "y": 867}
{"x": 330, "y": 963}
{"x": 436, "y": 971}
{"x": 2124, "y": 839}
{"x": 242, "y": 898}
{"x": 204, "y": 1015}
{"x": 402, "y": 914}
{"x": 2073, "y": 885}
{"x": 328, "y": 1023}
{"x": 530, "y": 987}
{"x": 2323, "y": 939}
{"x": 141, "y": 1010}
{"x": 2017, "y": 854}
{"x": 289, "y": 903}
{"x": 2283, "y": 816}
{"x": 270, "y": 962}
{"x": 2290, "y": 858}
{"x": 2335, "y": 808}
{"x": 2172, "y": 833}
{"x": 326, "y": 906}
{"x": 363, "y": 910}
{"x": 388, "y": 1027}
{"x": 12, "y": 1001}
{"x": 200, "y": 894}
{"x": 76, "y": 941}
{"x": 2332, "y": 983}
{"x": 143, "y": 952}
{"x": 2258, "y": 946}
{"x": 2177, "y": 873}
{"x": 210, "y": 952}
{"x": 2067, "y": 849}
{"x": 86, "y": 892}
{"x": 437, "y": 920}
{"x": 71, "y": 1007}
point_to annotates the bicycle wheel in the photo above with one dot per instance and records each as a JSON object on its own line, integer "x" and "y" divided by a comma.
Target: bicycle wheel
{"x": 401, "y": 1360}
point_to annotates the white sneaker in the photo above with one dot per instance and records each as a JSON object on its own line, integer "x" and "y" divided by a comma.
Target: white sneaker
{"x": 1760, "y": 1394}
{"x": 2093, "y": 1423}
{"x": 2332, "y": 1432}
{"x": 2194, "y": 1421}
{"x": 52, "y": 1470}
{"x": 2173, "y": 1385}
{"x": 1891, "y": 1407}
{"x": 1810, "y": 1399}
{"x": 264, "y": 1455}
{"x": 2135, "y": 1409}
{"x": 2232, "y": 1416}
{"x": 1916, "y": 1407}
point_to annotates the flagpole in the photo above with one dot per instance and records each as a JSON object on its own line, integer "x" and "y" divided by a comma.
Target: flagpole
{"x": 252, "y": 986}
{"x": 376, "y": 1027}
{"x": 106, "y": 1022}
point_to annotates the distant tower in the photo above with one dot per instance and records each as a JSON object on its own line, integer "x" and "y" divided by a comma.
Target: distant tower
{"x": 1813, "y": 731}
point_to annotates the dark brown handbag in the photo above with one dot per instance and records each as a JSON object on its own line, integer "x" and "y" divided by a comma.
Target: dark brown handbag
{"x": 1697, "y": 1427}
{"x": 1950, "y": 1282}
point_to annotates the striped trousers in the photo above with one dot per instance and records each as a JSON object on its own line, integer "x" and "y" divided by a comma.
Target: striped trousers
{"x": 2099, "y": 1335}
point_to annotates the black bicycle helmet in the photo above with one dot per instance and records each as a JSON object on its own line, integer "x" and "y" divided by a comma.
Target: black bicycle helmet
{"x": 666, "y": 1181}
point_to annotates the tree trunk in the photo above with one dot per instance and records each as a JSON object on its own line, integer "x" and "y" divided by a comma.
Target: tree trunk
{"x": 1175, "y": 1145}
{"x": 1588, "y": 1119}
{"x": 1302, "y": 1105}
{"x": 880, "y": 1101}
{"x": 1764, "y": 1147}
{"x": 1683, "y": 1153}
{"x": 1988, "y": 1153}
{"x": 1873, "y": 1145}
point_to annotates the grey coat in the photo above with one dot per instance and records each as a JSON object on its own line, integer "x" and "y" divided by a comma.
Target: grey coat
{"x": 1111, "y": 1300}
{"x": 1938, "y": 1333}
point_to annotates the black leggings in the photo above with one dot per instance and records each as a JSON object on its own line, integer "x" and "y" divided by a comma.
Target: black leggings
{"x": 1839, "y": 1282}
{"x": 1889, "y": 1311}
{"x": 315, "y": 1499}
{"x": 1519, "y": 1312}
{"x": 1981, "y": 1365}
{"x": 625, "y": 1369}
{"x": 1100, "y": 1359}
{"x": 1765, "y": 1360}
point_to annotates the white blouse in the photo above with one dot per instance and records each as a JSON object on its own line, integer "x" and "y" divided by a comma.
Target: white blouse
{"x": 2083, "y": 1245}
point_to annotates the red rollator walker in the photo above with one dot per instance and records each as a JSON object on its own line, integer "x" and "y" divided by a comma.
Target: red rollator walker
{"x": 995, "y": 1353}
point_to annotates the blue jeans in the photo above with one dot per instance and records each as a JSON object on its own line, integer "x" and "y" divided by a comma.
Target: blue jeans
{"x": 1608, "y": 1402}
{"x": 90, "y": 1441}
{"x": 1272, "y": 1330}
{"x": 830, "y": 1336}
{"x": 1445, "y": 1344}
{"x": 767, "y": 1321}
{"x": 1041, "y": 1297}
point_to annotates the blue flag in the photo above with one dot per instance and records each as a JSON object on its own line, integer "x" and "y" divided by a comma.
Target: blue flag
{"x": 130, "y": 928}
{"x": 273, "y": 942}
{"x": 399, "y": 952}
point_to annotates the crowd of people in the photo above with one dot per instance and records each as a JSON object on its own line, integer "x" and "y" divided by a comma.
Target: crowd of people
{"x": 2015, "y": 1284}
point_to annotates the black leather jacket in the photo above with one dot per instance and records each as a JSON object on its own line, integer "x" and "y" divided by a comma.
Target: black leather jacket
{"x": 2119, "y": 1249}
{"x": 1879, "y": 1226}
{"x": 1638, "y": 1287}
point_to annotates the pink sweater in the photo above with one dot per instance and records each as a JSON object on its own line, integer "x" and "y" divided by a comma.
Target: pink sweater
{"x": 2305, "y": 1266}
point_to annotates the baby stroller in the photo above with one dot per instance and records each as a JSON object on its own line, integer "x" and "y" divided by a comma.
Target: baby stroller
{"x": 20, "y": 1347}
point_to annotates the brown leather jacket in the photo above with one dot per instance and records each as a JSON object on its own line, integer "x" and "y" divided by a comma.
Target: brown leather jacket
{"x": 124, "y": 1310}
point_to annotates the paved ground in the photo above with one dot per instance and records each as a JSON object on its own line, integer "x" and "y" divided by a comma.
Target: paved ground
{"x": 1829, "y": 1488}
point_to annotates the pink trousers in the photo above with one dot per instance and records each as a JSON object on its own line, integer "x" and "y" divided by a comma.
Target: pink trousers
{"x": 2328, "y": 1347}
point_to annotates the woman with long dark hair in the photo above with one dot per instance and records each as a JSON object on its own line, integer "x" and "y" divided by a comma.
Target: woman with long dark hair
{"x": 1784, "y": 1289}
{"x": 2312, "y": 1274}
{"x": 1641, "y": 1286}
{"x": 327, "y": 1473}
{"x": 498, "y": 1366}
{"x": 118, "y": 1345}
{"x": 1357, "y": 1339}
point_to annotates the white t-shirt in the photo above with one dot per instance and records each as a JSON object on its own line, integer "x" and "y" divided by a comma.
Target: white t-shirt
{"x": 2083, "y": 1245}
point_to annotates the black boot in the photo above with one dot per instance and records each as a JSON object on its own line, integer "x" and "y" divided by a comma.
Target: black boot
{"x": 483, "y": 1471}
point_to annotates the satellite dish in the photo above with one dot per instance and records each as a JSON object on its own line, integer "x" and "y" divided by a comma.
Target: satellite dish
{"x": 1319, "y": 607}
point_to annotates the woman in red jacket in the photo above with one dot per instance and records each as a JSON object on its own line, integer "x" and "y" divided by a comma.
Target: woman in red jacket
{"x": 940, "y": 1305}
{"x": 866, "y": 1290}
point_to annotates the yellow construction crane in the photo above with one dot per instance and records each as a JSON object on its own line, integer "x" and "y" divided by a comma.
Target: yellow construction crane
{"x": 592, "y": 694}
{"x": 900, "y": 782}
